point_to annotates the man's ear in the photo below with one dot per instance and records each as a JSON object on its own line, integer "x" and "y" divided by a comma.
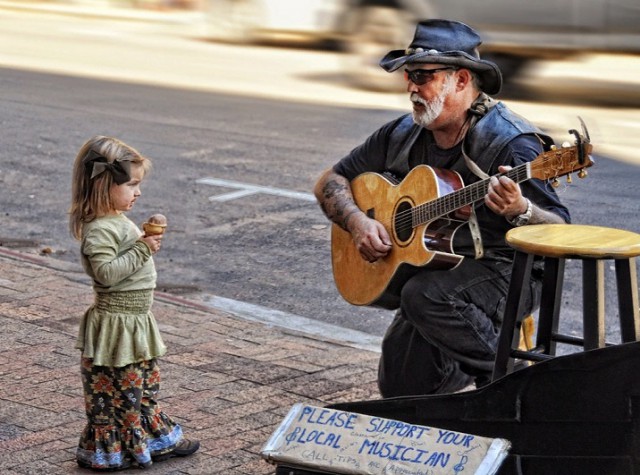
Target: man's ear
{"x": 463, "y": 79}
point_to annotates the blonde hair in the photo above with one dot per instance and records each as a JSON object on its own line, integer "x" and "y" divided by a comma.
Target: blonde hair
{"x": 90, "y": 197}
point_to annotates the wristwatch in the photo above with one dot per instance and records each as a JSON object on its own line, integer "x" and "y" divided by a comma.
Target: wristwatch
{"x": 523, "y": 218}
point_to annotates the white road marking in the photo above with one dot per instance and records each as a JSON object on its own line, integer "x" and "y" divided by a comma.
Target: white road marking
{"x": 245, "y": 189}
{"x": 232, "y": 196}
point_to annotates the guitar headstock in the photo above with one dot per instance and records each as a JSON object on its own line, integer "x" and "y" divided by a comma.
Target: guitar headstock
{"x": 562, "y": 161}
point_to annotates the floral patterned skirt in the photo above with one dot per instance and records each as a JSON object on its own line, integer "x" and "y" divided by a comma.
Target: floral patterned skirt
{"x": 125, "y": 424}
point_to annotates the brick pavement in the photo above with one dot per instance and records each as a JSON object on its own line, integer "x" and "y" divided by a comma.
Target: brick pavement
{"x": 228, "y": 381}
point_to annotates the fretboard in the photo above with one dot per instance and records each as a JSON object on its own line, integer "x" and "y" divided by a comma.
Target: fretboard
{"x": 444, "y": 205}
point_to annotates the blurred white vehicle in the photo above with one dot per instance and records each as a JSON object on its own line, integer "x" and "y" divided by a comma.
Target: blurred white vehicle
{"x": 514, "y": 31}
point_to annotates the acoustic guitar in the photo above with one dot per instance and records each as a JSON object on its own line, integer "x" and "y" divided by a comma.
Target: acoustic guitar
{"x": 421, "y": 215}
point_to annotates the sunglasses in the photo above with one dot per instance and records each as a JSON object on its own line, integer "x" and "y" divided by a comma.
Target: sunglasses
{"x": 420, "y": 77}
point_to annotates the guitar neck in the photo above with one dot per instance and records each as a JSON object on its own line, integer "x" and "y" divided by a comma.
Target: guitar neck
{"x": 444, "y": 205}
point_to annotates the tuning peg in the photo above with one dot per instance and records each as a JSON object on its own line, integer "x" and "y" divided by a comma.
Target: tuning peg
{"x": 582, "y": 173}
{"x": 566, "y": 145}
{"x": 569, "y": 179}
{"x": 553, "y": 147}
{"x": 555, "y": 183}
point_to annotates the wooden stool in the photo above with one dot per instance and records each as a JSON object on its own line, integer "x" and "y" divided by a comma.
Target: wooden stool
{"x": 556, "y": 243}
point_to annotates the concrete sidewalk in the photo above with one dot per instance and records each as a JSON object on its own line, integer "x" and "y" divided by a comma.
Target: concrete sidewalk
{"x": 227, "y": 380}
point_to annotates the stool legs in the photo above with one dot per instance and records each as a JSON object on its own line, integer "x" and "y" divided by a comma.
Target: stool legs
{"x": 593, "y": 300}
{"x": 510, "y": 331}
{"x": 628, "y": 299}
{"x": 593, "y": 303}
{"x": 550, "y": 303}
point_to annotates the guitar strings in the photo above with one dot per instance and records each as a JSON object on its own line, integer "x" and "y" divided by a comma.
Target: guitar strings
{"x": 440, "y": 207}
{"x": 443, "y": 205}
{"x": 423, "y": 213}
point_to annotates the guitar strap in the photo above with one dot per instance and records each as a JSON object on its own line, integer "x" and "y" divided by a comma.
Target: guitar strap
{"x": 477, "y": 111}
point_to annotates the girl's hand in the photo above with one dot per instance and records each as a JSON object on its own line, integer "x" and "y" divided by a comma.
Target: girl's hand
{"x": 153, "y": 242}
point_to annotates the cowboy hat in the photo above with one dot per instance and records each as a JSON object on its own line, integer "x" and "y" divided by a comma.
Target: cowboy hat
{"x": 447, "y": 42}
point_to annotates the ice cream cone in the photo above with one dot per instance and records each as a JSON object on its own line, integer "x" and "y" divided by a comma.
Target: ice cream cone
{"x": 155, "y": 225}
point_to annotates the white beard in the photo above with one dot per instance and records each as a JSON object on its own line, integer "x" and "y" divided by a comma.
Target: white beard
{"x": 434, "y": 107}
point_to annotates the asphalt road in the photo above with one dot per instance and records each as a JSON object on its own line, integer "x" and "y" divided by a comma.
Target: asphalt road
{"x": 268, "y": 248}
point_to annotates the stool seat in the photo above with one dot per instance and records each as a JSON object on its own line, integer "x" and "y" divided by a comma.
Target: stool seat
{"x": 572, "y": 241}
{"x": 555, "y": 243}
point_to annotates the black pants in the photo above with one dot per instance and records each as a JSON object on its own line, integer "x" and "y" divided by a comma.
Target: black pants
{"x": 445, "y": 333}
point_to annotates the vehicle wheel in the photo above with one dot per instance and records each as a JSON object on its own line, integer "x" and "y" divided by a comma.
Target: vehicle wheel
{"x": 233, "y": 21}
{"x": 376, "y": 31}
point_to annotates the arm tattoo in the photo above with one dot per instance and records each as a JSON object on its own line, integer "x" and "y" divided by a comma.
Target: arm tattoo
{"x": 337, "y": 203}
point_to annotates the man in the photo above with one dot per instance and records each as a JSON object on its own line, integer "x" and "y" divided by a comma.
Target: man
{"x": 445, "y": 332}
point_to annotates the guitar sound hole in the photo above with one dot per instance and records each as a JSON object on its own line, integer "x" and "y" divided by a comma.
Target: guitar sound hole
{"x": 402, "y": 222}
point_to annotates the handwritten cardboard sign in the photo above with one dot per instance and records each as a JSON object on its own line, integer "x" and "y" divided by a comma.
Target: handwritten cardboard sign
{"x": 349, "y": 443}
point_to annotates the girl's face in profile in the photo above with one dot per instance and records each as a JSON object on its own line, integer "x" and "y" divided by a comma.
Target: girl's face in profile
{"x": 124, "y": 196}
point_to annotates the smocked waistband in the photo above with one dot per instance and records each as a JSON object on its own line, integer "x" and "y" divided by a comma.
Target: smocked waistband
{"x": 132, "y": 301}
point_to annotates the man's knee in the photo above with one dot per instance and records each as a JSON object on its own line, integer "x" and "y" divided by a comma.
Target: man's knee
{"x": 422, "y": 298}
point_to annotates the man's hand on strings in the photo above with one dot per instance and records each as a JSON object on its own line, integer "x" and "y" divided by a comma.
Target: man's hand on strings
{"x": 504, "y": 196}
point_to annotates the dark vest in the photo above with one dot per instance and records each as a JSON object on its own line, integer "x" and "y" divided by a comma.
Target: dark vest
{"x": 483, "y": 143}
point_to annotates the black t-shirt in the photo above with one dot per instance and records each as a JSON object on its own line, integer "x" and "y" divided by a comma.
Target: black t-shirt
{"x": 371, "y": 156}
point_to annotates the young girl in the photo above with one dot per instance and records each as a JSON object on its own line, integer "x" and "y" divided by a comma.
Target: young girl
{"x": 118, "y": 334}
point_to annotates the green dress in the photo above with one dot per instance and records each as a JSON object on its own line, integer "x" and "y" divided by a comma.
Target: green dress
{"x": 119, "y": 328}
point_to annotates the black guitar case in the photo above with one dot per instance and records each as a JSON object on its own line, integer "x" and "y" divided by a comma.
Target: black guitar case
{"x": 577, "y": 414}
